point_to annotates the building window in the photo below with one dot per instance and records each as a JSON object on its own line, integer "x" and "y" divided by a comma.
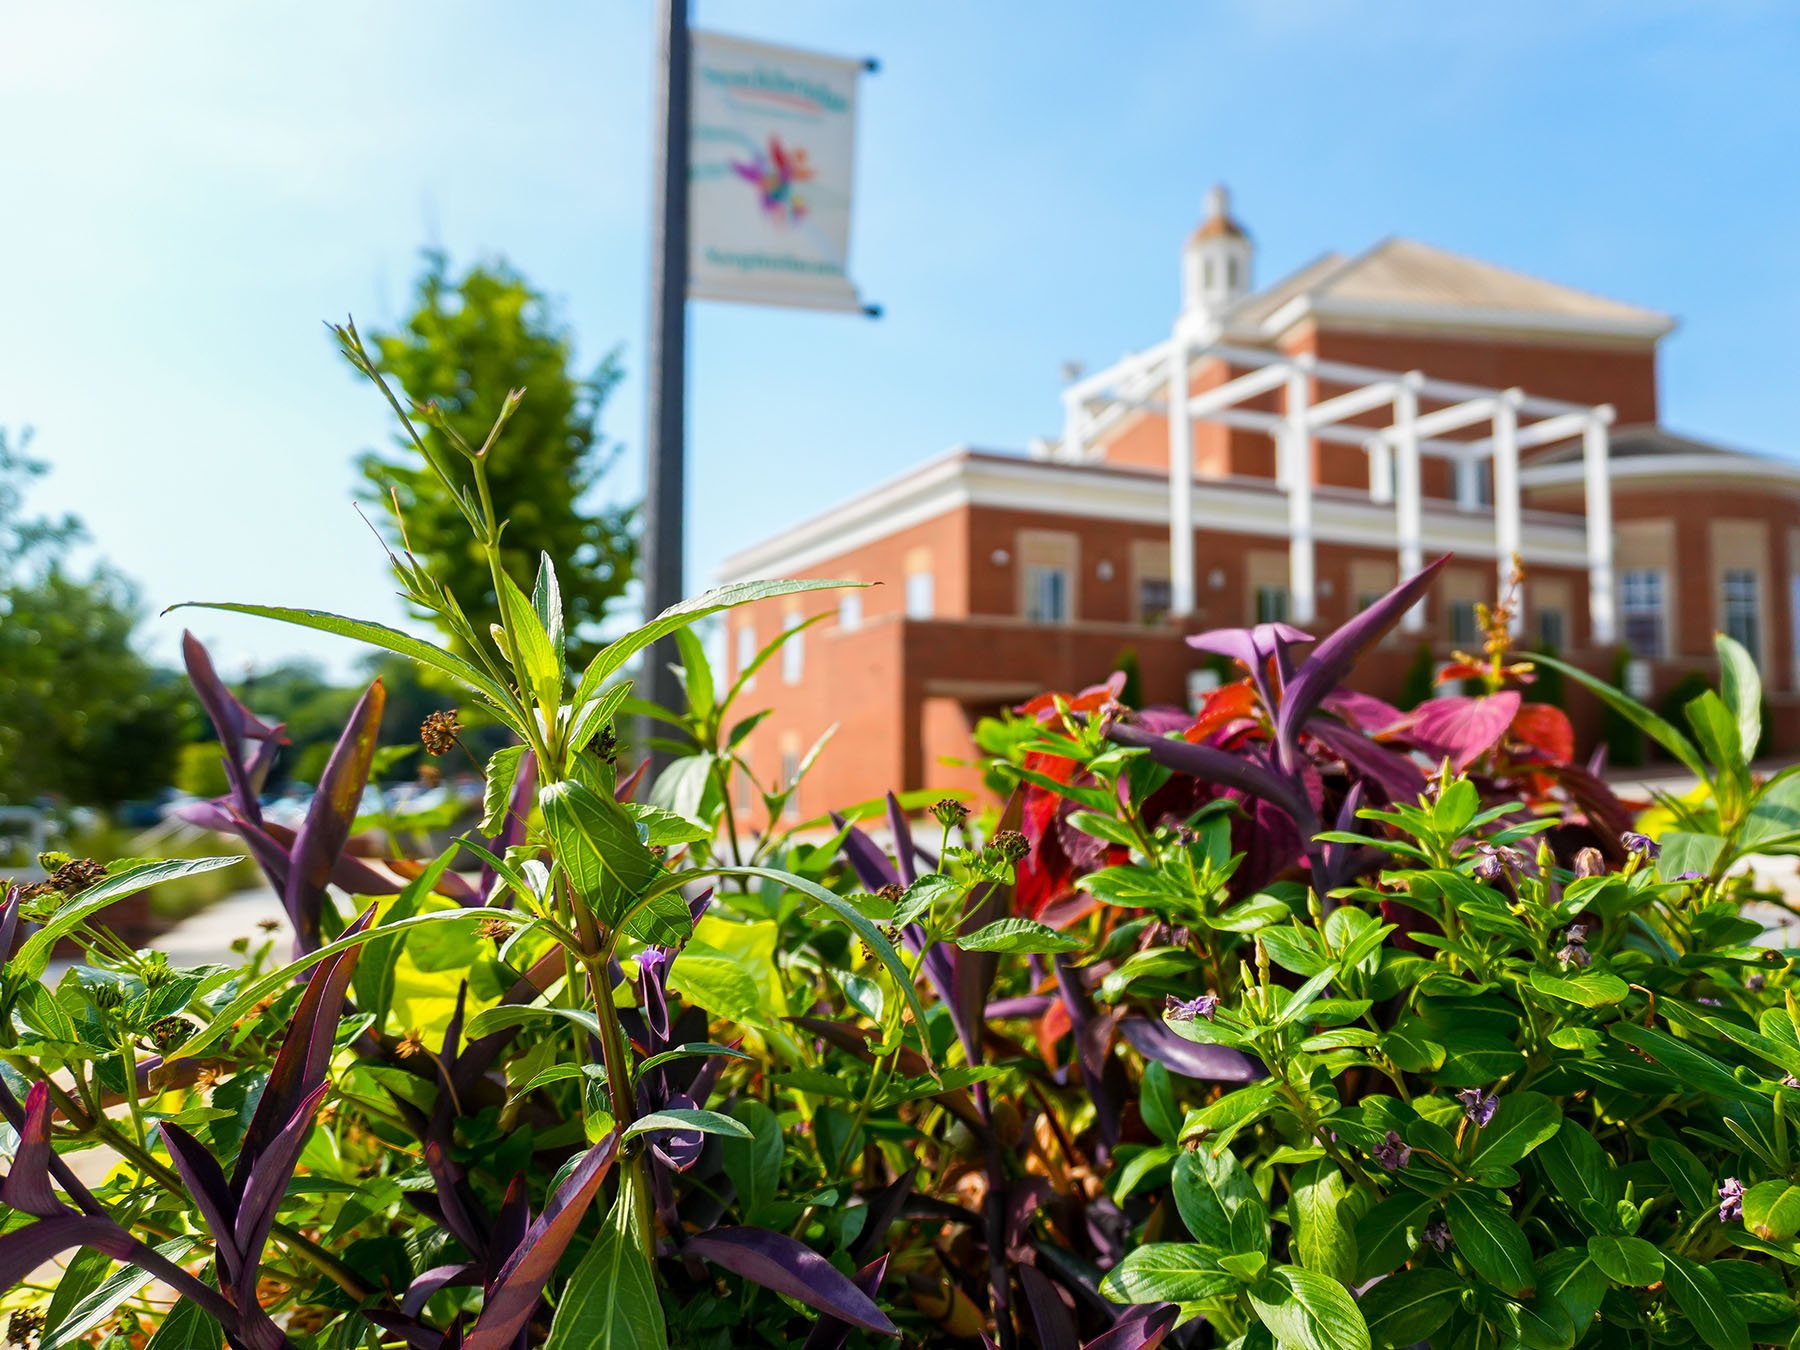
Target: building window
{"x": 1155, "y": 595}
{"x": 1271, "y": 604}
{"x": 850, "y": 611}
{"x": 1231, "y": 273}
{"x": 1465, "y": 627}
{"x": 746, "y": 653}
{"x": 1742, "y": 618}
{"x": 1046, "y": 595}
{"x": 793, "y": 652}
{"x": 1641, "y": 608}
{"x": 1552, "y": 630}
{"x": 921, "y": 595}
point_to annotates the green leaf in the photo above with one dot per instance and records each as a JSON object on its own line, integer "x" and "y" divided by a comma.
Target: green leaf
{"x": 540, "y": 671}
{"x": 1491, "y": 1242}
{"x": 1573, "y": 1283}
{"x": 1700, "y": 1296}
{"x": 1156, "y": 1103}
{"x": 1741, "y": 685}
{"x": 1695, "y": 1070}
{"x": 1388, "y": 1234}
{"x": 1322, "y": 1239}
{"x": 1684, "y": 852}
{"x": 718, "y": 985}
{"x": 1687, "y": 1175}
{"x": 1589, "y": 988}
{"x": 374, "y": 975}
{"x": 1304, "y": 1310}
{"x": 595, "y": 713}
{"x": 546, "y": 602}
{"x": 496, "y": 795}
{"x": 1019, "y": 936}
{"x": 388, "y": 639}
{"x": 1578, "y": 1169}
{"x": 1717, "y": 731}
{"x": 1634, "y": 712}
{"x": 687, "y": 1120}
{"x": 598, "y": 846}
{"x": 1772, "y": 1210}
{"x": 1521, "y": 1122}
{"x": 107, "y": 1297}
{"x": 504, "y": 1015}
{"x": 1626, "y": 1260}
{"x": 754, "y": 1164}
{"x": 867, "y": 931}
{"x": 1218, "y": 1202}
{"x": 187, "y": 1326}
{"x": 1406, "y": 1308}
{"x": 34, "y": 955}
{"x": 680, "y": 616}
{"x": 610, "y": 1302}
{"x": 1167, "y": 1272}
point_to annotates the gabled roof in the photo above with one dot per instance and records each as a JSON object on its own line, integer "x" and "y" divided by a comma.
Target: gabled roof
{"x": 1402, "y": 281}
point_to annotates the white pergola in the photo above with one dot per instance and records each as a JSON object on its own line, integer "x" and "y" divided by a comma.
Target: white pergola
{"x": 1515, "y": 420}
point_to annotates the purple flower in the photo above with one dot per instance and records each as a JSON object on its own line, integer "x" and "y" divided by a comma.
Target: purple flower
{"x": 1496, "y": 862}
{"x": 1437, "y": 1233}
{"x": 1590, "y": 863}
{"x": 1754, "y": 981}
{"x": 1691, "y": 876}
{"x": 1476, "y": 1107}
{"x": 1392, "y": 1152}
{"x": 1640, "y": 844}
{"x": 1731, "y": 1200}
{"x": 1176, "y": 1010}
{"x": 1788, "y": 1080}
{"x": 1710, "y": 1002}
{"x": 1574, "y": 950}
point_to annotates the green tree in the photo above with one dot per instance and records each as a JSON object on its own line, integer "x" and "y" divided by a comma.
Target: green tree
{"x": 82, "y": 714}
{"x": 469, "y": 340}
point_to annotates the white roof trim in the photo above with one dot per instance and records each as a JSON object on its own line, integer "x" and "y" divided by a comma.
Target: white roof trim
{"x": 1049, "y": 488}
{"x": 1721, "y": 466}
{"x": 1413, "y": 314}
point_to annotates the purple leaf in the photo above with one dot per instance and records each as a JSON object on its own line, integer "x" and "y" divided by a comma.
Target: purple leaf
{"x": 1055, "y": 1327}
{"x": 828, "y": 1333}
{"x": 305, "y": 1052}
{"x": 905, "y": 859}
{"x": 1254, "y": 648}
{"x": 883, "y": 1209}
{"x": 28, "y": 1186}
{"x": 1212, "y": 765}
{"x": 1139, "y": 1329}
{"x": 269, "y": 1176}
{"x": 1462, "y": 730}
{"x": 428, "y": 1282}
{"x": 778, "y": 1262}
{"x": 872, "y": 867}
{"x": 1092, "y": 1037}
{"x": 1206, "y": 1063}
{"x": 515, "y": 1293}
{"x": 211, "y": 1193}
{"x": 9, "y": 923}
{"x": 1332, "y": 659}
{"x": 326, "y": 829}
{"x": 234, "y": 723}
{"x": 1032, "y": 1006}
{"x": 1399, "y": 779}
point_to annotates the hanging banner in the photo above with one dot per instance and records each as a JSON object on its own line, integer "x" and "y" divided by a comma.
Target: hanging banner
{"x": 770, "y": 160}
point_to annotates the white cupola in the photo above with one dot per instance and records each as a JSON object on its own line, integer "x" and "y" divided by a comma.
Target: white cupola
{"x": 1215, "y": 264}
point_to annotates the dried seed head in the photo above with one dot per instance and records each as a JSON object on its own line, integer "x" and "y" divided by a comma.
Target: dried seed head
{"x": 494, "y": 929}
{"x": 891, "y": 893}
{"x": 1590, "y": 863}
{"x": 437, "y": 733}
{"x": 411, "y": 1044}
{"x": 1011, "y": 845}
{"x": 949, "y": 812}
{"x": 77, "y": 875}
{"x": 606, "y": 744}
{"x": 24, "y": 1326}
{"x": 168, "y": 1032}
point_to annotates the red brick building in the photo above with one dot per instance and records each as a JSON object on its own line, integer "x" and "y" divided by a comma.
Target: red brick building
{"x": 1345, "y": 425}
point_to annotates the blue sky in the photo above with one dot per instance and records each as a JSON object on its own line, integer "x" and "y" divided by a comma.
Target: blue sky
{"x": 191, "y": 189}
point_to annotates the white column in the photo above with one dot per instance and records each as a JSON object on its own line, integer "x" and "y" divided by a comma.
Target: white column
{"x": 1506, "y": 491}
{"x": 1181, "y": 485}
{"x": 1074, "y": 427}
{"x": 1301, "y": 577}
{"x": 1597, "y": 476}
{"x": 1408, "y": 514}
{"x": 1468, "y": 485}
{"x": 1381, "y": 471}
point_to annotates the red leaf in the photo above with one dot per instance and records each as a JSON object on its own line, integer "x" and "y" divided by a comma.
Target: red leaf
{"x": 1546, "y": 729}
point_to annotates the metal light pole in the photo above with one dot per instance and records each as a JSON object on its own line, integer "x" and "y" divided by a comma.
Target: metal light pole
{"x": 665, "y": 497}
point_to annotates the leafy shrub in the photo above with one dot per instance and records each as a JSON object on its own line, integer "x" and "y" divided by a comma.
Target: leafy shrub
{"x": 1300, "y": 1021}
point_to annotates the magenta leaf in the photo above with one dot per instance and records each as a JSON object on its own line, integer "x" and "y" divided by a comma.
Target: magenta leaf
{"x": 1055, "y": 1326}
{"x": 778, "y": 1262}
{"x": 1140, "y": 1329}
{"x": 1462, "y": 729}
{"x": 1211, "y": 765}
